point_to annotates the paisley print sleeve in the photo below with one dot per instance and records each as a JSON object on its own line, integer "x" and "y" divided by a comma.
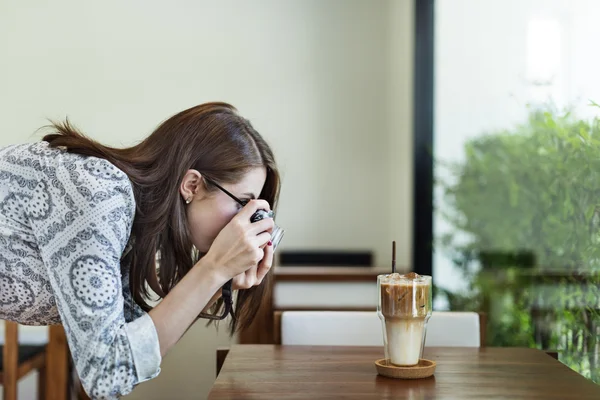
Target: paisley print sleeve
{"x": 82, "y": 217}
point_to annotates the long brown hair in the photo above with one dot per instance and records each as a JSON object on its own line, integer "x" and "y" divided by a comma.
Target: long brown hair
{"x": 211, "y": 138}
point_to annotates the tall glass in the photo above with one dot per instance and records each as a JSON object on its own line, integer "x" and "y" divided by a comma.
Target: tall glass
{"x": 404, "y": 308}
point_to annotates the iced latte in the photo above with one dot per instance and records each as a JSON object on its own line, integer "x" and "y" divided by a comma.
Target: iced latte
{"x": 404, "y": 308}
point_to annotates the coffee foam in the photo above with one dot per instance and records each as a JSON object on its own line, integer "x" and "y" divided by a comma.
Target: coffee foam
{"x": 411, "y": 277}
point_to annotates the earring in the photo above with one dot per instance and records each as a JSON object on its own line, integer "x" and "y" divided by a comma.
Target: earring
{"x": 188, "y": 200}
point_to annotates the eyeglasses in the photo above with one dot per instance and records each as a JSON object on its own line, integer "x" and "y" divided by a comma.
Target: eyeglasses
{"x": 222, "y": 189}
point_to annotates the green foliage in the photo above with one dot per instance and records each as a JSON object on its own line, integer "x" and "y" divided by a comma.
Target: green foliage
{"x": 533, "y": 189}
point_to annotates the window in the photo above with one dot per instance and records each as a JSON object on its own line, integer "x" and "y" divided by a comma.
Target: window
{"x": 515, "y": 206}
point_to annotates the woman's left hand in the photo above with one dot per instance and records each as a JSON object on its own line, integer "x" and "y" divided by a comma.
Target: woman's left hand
{"x": 255, "y": 275}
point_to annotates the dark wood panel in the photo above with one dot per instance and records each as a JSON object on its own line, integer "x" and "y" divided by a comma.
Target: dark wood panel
{"x": 319, "y": 372}
{"x": 329, "y": 274}
{"x": 318, "y": 308}
{"x": 312, "y": 258}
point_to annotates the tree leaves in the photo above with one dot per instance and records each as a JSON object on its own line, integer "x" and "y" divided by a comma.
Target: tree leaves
{"x": 533, "y": 188}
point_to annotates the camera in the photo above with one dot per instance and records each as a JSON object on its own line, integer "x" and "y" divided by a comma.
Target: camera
{"x": 277, "y": 233}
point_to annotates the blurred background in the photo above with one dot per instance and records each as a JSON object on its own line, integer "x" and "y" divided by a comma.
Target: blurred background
{"x": 516, "y": 157}
{"x": 464, "y": 130}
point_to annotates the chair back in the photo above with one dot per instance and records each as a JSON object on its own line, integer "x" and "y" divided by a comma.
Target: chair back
{"x": 364, "y": 328}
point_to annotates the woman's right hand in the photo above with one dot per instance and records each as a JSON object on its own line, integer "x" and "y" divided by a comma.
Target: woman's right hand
{"x": 239, "y": 246}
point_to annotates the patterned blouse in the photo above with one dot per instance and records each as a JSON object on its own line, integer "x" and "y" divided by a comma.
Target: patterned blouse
{"x": 65, "y": 221}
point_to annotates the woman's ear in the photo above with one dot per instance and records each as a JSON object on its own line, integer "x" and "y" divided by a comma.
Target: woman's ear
{"x": 192, "y": 186}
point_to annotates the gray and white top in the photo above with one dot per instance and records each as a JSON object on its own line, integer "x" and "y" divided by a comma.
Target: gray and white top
{"x": 65, "y": 221}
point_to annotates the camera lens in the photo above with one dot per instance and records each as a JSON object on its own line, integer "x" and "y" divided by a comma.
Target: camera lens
{"x": 276, "y": 236}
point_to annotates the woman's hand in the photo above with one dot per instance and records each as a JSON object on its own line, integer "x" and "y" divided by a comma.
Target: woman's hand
{"x": 255, "y": 275}
{"x": 240, "y": 246}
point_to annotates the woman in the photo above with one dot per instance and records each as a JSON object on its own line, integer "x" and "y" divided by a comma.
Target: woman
{"x": 82, "y": 224}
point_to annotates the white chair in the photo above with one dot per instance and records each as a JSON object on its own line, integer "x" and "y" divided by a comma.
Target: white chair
{"x": 454, "y": 329}
{"x": 363, "y": 328}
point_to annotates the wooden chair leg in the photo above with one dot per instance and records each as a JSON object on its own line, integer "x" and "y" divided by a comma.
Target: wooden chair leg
{"x": 482, "y": 329}
{"x": 221, "y": 355}
{"x": 57, "y": 356}
{"x": 10, "y": 354}
{"x": 41, "y": 384}
{"x": 9, "y": 390}
{"x": 277, "y": 327}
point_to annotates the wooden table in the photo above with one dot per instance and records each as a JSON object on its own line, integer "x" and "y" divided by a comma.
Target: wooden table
{"x": 301, "y": 372}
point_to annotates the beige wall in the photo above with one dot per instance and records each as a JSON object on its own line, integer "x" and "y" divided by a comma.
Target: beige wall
{"x": 327, "y": 82}
{"x": 400, "y": 108}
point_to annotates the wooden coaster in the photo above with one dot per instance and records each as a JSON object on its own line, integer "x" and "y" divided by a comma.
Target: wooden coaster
{"x": 424, "y": 369}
